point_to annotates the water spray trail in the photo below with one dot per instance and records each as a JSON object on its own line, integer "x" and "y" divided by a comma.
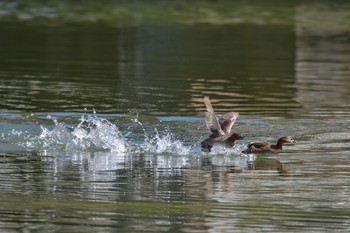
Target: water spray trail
{"x": 136, "y": 120}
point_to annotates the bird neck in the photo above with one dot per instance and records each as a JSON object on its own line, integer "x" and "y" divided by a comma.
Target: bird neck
{"x": 280, "y": 143}
{"x": 231, "y": 140}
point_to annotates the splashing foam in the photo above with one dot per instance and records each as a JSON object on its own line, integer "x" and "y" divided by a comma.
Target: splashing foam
{"x": 164, "y": 144}
{"x": 221, "y": 150}
{"x": 95, "y": 134}
{"x": 98, "y": 134}
{"x": 160, "y": 143}
{"x": 92, "y": 133}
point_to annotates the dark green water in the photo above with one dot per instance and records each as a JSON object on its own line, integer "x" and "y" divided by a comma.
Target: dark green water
{"x": 102, "y": 115}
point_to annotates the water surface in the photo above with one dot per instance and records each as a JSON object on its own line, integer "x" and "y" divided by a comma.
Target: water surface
{"x": 101, "y": 119}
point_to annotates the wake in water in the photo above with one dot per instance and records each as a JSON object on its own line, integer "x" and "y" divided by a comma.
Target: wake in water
{"x": 160, "y": 143}
{"x": 93, "y": 134}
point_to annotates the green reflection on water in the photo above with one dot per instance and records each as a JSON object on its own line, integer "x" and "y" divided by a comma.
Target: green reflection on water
{"x": 117, "y": 13}
{"x": 130, "y": 215}
{"x": 148, "y": 68}
{"x": 160, "y": 59}
{"x": 80, "y": 54}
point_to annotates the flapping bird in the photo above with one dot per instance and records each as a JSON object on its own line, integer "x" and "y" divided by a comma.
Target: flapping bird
{"x": 220, "y": 128}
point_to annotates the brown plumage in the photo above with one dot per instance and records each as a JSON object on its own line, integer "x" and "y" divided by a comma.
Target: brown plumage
{"x": 220, "y": 128}
{"x": 265, "y": 147}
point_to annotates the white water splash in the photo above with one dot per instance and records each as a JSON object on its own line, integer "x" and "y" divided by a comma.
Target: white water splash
{"x": 160, "y": 143}
{"x": 97, "y": 134}
{"x": 164, "y": 144}
{"x": 222, "y": 150}
{"x": 92, "y": 133}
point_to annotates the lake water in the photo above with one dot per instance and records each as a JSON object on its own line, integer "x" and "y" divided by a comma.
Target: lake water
{"x": 101, "y": 123}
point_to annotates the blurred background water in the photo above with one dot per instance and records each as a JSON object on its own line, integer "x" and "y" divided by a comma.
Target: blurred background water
{"x": 102, "y": 115}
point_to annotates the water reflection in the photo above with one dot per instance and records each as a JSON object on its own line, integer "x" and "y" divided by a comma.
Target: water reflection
{"x": 96, "y": 176}
{"x": 148, "y": 174}
{"x": 151, "y": 184}
{"x": 272, "y": 164}
{"x": 105, "y": 187}
{"x": 322, "y": 61}
{"x": 145, "y": 175}
{"x": 131, "y": 69}
{"x": 169, "y": 75}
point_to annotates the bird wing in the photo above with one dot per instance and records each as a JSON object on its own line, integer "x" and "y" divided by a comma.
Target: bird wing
{"x": 210, "y": 118}
{"x": 258, "y": 144}
{"x": 227, "y": 120}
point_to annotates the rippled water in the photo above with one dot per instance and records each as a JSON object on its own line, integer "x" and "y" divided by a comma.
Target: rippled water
{"x": 100, "y": 125}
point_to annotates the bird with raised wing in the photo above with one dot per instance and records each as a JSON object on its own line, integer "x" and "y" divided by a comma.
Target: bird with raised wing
{"x": 220, "y": 128}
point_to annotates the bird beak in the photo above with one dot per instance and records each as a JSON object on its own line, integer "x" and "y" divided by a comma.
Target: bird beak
{"x": 240, "y": 137}
{"x": 293, "y": 141}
